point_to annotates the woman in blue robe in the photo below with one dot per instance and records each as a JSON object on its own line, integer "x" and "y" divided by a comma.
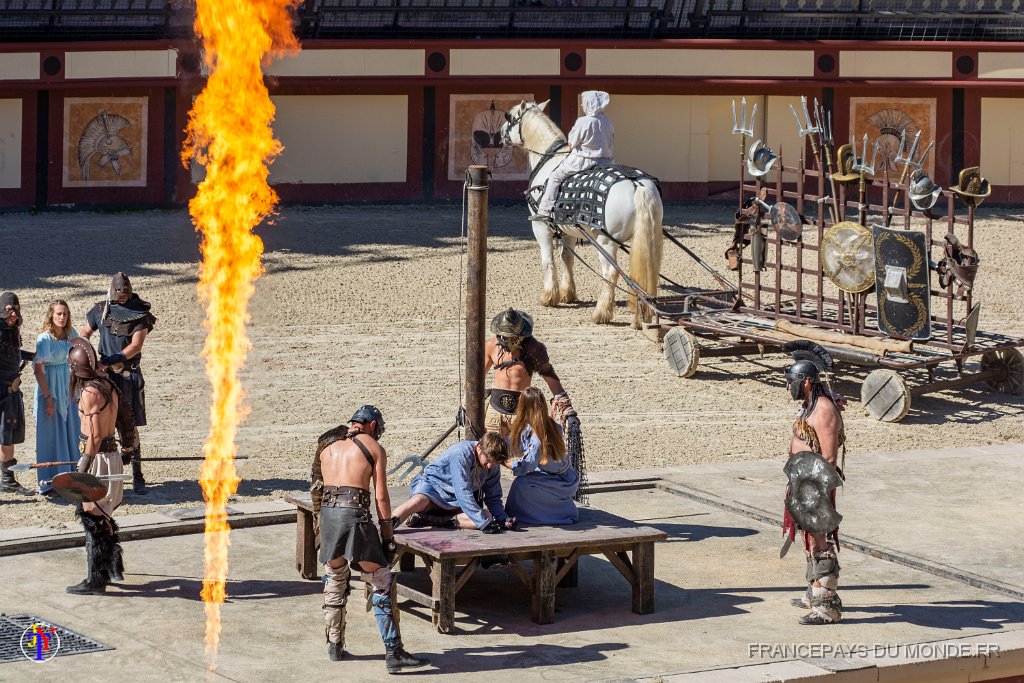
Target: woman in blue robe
{"x": 545, "y": 482}
{"x": 57, "y": 422}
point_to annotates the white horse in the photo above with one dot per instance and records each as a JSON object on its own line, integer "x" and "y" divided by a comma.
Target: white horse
{"x": 632, "y": 212}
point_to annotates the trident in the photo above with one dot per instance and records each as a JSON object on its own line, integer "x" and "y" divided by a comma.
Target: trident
{"x": 823, "y": 121}
{"x": 808, "y": 130}
{"x": 909, "y": 161}
{"x": 744, "y": 131}
{"x": 860, "y": 164}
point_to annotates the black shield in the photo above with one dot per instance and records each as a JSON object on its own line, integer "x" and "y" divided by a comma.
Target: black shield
{"x": 812, "y": 479}
{"x": 901, "y": 283}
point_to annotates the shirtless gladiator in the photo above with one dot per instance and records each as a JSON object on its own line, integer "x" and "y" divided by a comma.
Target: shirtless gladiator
{"x": 102, "y": 410}
{"x": 818, "y": 428}
{"x": 515, "y": 356}
{"x": 347, "y": 459}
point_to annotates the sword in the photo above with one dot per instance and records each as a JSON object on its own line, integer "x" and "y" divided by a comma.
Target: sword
{"x": 785, "y": 546}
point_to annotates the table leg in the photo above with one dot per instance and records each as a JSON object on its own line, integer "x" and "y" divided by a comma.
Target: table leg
{"x": 442, "y": 579}
{"x": 305, "y": 545}
{"x": 543, "y": 603}
{"x": 643, "y": 582}
{"x": 407, "y": 562}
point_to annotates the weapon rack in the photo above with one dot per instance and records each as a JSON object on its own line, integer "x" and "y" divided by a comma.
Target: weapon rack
{"x": 793, "y": 287}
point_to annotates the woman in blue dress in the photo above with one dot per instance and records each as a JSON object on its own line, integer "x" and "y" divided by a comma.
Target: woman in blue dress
{"x": 545, "y": 482}
{"x": 57, "y": 423}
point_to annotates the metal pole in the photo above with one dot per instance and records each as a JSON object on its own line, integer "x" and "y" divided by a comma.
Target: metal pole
{"x": 479, "y": 180}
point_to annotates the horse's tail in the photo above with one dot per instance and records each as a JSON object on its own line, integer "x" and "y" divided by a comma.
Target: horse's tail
{"x": 646, "y": 248}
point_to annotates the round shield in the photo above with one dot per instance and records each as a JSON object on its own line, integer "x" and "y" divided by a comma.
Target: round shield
{"x": 811, "y": 483}
{"x": 786, "y": 221}
{"x": 78, "y": 487}
{"x": 848, "y": 257}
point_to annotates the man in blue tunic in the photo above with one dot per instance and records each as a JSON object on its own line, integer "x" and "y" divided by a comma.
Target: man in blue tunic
{"x": 464, "y": 480}
{"x": 123, "y": 321}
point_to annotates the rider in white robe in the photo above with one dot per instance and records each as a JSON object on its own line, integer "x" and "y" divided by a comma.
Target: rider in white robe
{"x": 591, "y": 143}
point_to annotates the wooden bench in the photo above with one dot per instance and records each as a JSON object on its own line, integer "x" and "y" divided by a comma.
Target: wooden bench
{"x": 451, "y": 557}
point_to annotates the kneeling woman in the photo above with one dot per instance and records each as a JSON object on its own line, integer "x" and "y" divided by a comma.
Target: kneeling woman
{"x": 545, "y": 482}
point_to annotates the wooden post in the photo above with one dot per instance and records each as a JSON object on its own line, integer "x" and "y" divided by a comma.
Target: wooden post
{"x": 479, "y": 178}
{"x": 543, "y": 603}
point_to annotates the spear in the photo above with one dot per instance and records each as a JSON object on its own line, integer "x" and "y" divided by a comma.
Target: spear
{"x": 909, "y": 161}
{"x": 823, "y": 120}
{"x": 808, "y": 129}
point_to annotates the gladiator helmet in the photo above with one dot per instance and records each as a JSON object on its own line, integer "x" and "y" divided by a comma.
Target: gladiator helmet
{"x": 811, "y": 362}
{"x": 923, "y": 191}
{"x": 511, "y": 327}
{"x": 760, "y": 159}
{"x": 10, "y": 299}
{"x": 82, "y": 359}
{"x": 367, "y": 414}
{"x": 120, "y": 285}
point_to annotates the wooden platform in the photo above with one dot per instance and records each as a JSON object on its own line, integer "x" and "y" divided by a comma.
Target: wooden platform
{"x": 451, "y": 557}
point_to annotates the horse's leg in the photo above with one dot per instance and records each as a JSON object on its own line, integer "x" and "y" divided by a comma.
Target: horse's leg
{"x": 545, "y": 238}
{"x": 567, "y": 283}
{"x": 605, "y": 310}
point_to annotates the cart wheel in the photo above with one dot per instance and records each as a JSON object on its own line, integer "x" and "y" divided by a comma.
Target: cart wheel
{"x": 885, "y": 395}
{"x": 1010, "y": 363}
{"x": 682, "y": 352}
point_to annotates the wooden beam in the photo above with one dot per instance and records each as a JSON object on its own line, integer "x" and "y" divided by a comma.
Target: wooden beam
{"x": 464, "y": 575}
{"x": 568, "y": 564}
{"x": 622, "y": 565}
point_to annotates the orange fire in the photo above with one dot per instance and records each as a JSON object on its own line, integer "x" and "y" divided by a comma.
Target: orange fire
{"x": 229, "y": 133}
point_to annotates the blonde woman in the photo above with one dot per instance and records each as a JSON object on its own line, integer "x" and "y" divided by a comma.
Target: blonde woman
{"x": 57, "y": 422}
{"x": 545, "y": 481}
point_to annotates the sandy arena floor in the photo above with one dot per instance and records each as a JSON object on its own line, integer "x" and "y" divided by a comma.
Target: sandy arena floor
{"x": 360, "y": 304}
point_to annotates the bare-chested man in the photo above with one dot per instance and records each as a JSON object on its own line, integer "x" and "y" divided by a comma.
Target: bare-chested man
{"x": 102, "y": 411}
{"x": 818, "y": 428}
{"x": 347, "y": 458}
{"x": 515, "y": 356}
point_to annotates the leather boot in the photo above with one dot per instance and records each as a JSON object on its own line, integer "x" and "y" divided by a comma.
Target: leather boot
{"x": 95, "y": 582}
{"x": 7, "y": 480}
{"x": 335, "y": 651}
{"x": 116, "y": 568}
{"x": 138, "y": 481}
{"x": 398, "y": 659}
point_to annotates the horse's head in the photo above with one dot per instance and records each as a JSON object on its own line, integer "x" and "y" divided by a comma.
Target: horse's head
{"x": 512, "y": 129}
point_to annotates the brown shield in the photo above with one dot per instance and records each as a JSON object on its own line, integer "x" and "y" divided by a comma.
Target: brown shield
{"x": 786, "y": 221}
{"x": 79, "y": 487}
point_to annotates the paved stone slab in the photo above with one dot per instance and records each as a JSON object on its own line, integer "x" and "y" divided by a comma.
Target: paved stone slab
{"x": 23, "y": 532}
{"x": 261, "y": 506}
{"x": 128, "y": 521}
{"x": 720, "y": 588}
{"x": 956, "y": 507}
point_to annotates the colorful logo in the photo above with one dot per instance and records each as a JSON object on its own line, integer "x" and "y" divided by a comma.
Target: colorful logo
{"x": 40, "y": 642}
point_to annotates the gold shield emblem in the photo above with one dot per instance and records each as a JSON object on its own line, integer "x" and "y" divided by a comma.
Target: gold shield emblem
{"x": 848, "y": 257}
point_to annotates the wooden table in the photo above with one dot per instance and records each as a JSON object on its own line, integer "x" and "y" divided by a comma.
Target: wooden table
{"x": 451, "y": 557}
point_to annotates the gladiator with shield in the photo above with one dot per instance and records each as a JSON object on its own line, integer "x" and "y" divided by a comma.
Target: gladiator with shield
{"x": 103, "y": 410}
{"x": 815, "y": 471}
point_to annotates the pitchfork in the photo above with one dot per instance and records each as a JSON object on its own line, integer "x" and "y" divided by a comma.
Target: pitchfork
{"x": 908, "y": 160}
{"x": 860, "y": 164}
{"x": 744, "y": 131}
{"x": 823, "y": 120}
{"x": 807, "y": 129}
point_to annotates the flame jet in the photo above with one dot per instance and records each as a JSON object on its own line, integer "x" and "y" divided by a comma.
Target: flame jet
{"x": 229, "y": 134}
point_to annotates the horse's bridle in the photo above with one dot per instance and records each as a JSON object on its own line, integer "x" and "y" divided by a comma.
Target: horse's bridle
{"x": 517, "y": 122}
{"x": 506, "y": 136}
